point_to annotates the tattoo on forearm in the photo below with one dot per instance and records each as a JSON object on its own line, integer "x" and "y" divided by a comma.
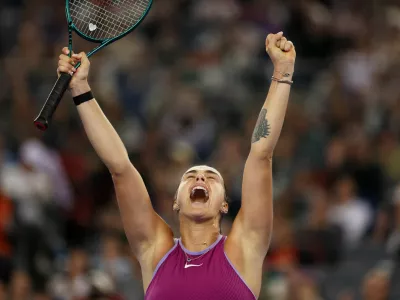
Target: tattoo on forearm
{"x": 262, "y": 129}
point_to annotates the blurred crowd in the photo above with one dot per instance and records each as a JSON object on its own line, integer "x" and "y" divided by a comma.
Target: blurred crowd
{"x": 185, "y": 88}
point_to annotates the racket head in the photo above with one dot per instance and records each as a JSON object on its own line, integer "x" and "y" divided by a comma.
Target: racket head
{"x": 105, "y": 21}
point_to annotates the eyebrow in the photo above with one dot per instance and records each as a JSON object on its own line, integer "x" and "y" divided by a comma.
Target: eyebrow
{"x": 206, "y": 171}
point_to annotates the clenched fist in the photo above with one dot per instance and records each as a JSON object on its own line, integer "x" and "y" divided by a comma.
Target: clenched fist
{"x": 66, "y": 64}
{"x": 281, "y": 51}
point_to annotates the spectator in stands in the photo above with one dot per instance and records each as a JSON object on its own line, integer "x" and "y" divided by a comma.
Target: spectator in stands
{"x": 21, "y": 286}
{"x": 196, "y": 69}
{"x": 376, "y": 285}
{"x": 352, "y": 214}
{"x": 6, "y": 220}
{"x": 393, "y": 244}
{"x": 30, "y": 189}
{"x": 74, "y": 283}
{"x": 113, "y": 262}
{"x": 319, "y": 242}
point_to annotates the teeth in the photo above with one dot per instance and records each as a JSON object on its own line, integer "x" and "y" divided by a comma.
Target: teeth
{"x": 199, "y": 188}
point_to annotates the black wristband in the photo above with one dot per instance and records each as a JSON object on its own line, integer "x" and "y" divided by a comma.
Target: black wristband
{"x": 83, "y": 98}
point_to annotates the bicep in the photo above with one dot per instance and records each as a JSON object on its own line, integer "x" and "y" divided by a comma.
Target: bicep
{"x": 143, "y": 226}
{"x": 256, "y": 213}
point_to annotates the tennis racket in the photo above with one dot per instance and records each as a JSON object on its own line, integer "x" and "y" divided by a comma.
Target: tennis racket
{"x": 98, "y": 21}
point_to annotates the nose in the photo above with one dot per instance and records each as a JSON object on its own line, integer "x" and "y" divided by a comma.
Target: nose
{"x": 200, "y": 177}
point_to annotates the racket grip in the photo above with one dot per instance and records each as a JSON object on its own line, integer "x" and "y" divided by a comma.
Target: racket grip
{"x": 43, "y": 120}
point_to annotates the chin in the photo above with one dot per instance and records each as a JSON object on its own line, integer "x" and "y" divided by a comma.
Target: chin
{"x": 197, "y": 214}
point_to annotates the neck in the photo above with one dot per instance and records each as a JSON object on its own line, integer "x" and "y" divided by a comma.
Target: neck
{"x": 198, "y": 236}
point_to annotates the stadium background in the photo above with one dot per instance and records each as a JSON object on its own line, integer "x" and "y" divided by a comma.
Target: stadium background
{"x": 186, "y": 88}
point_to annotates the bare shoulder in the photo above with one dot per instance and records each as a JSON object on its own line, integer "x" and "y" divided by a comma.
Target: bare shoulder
{"x": 149, "y": 235}
{"x": 240, "y": 249}
{"x": 154, "y": 253}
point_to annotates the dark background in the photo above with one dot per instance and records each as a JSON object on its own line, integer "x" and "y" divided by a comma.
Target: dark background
{"x": 186, "y": 88}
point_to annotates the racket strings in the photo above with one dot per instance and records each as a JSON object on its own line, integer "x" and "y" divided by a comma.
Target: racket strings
{"x": 105, "y": 19}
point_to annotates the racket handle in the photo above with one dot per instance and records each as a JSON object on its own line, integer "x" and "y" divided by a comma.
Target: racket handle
{"x": 43, "y": 120}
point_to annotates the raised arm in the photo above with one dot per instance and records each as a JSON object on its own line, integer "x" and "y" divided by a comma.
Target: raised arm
{"x": 252, "y": 228}
{"x": 144, "y": 228}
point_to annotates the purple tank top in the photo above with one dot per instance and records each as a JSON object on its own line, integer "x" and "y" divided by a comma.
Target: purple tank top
{"x": 209, "y": 277}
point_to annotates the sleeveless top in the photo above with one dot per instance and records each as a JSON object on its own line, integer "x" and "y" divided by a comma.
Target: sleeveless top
{"x": 209, "y": 277}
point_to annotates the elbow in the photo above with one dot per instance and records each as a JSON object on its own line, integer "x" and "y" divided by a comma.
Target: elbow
{"x": 119, "y": 167}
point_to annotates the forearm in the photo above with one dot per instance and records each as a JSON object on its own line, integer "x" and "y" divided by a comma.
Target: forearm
{"x": 270, "y": 121}
{"x": 102, "y": 135}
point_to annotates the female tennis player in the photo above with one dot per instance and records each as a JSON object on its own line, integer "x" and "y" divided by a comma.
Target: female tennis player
{"x": 201, "y": 264}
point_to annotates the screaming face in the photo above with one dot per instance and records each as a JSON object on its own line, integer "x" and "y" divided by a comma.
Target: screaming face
{"x": 201, "y": 193}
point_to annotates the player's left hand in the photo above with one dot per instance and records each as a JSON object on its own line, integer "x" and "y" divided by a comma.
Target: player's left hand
{"x": 280, "y": 50}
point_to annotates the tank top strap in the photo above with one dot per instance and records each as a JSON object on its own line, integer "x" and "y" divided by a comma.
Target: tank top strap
{"x": 221, "y": 243}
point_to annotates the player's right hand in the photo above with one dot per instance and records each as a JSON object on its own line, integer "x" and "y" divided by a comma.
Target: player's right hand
{"x": 66, "y": 65}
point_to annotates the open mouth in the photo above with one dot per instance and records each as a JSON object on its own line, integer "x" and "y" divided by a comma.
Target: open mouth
{"x": 199, "y": 194}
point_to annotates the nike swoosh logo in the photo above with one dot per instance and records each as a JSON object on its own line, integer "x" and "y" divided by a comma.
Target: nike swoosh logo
{"x": 188, "y": 266}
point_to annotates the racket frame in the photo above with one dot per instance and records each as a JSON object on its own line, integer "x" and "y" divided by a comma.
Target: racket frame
{"x": 106, "y": 41}
{"x": 43, "y": 120}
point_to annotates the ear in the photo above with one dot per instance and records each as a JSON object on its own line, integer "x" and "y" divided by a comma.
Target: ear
{"x": 224, "y": 207}
{"x": 176, "y": 207}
